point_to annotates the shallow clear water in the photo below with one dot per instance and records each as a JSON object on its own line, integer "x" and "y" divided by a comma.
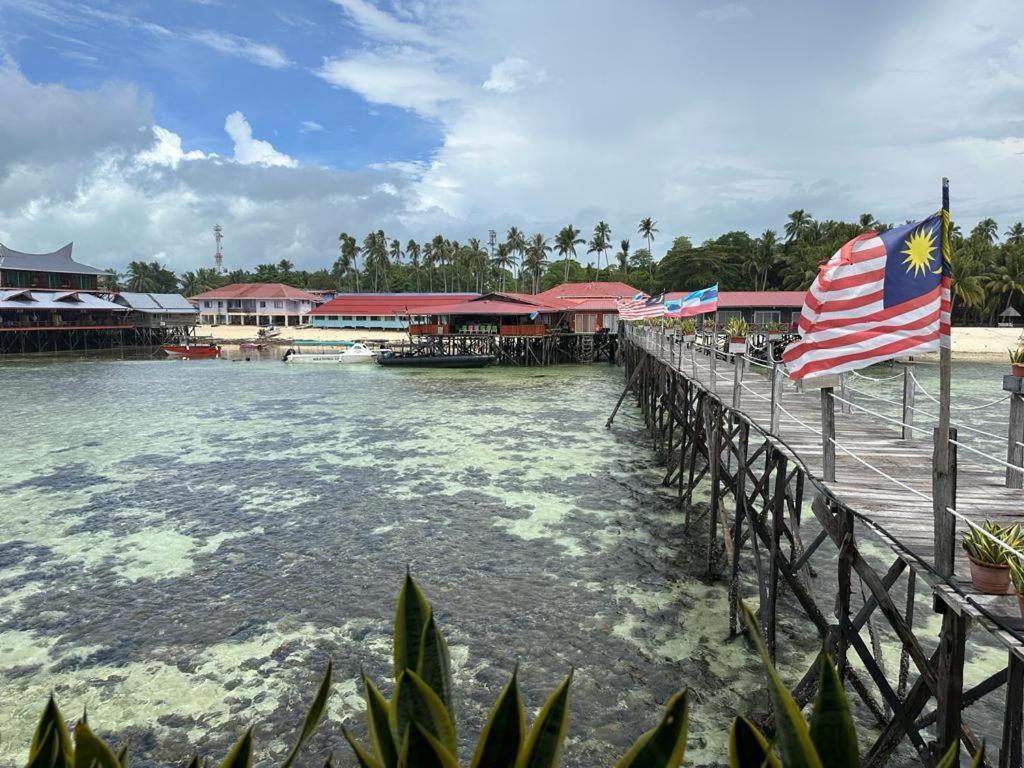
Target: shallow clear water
{"x": 185, "y": 544}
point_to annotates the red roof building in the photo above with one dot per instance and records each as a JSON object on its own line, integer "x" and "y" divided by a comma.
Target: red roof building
{"x": 255, "y": 304}
{"x": 381, "y": 311}
{"x": 756, "y": 307}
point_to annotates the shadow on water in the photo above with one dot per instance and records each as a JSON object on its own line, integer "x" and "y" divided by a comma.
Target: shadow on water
{"x": 188, "y": 543}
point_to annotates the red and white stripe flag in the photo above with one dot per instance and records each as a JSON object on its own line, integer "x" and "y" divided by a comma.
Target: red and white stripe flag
{"x": 640, "y": 306}
{"x": 881, "y": 296}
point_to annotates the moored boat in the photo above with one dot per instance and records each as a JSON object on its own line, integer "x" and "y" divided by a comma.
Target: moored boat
{"x": 357, "y": 353}
{"x": 191, "y": 351}
{"x": 409, "y": 360}
{"x": 251, "y": 345}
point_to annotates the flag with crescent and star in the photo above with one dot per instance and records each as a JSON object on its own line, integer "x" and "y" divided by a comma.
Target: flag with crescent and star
{"x": 881, "y": 296}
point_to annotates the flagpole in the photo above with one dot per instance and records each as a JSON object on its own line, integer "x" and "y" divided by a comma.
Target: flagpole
{"x": 942, "y": 490}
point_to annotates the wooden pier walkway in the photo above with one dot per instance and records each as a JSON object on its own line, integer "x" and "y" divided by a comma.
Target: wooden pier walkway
{"x": 871, "y": 471}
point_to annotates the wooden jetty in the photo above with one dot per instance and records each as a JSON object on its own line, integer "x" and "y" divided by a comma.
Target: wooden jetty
{"x": 549, "y": 348}
{"x": 770, "y": 450}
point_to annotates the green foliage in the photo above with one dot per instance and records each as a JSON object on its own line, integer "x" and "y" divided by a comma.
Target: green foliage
{"x": 984, "y": 550}
{"x": 1016, "y": 356}
{"x": 1017, "y": 574}
{"x": 688, "y": 326}
{"x": 736, "y": 327}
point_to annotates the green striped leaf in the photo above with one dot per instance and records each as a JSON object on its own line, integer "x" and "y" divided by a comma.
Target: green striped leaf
{"x": 410, "y": 620}
{"x": 91, "y": 751}
{"x": 415, "y": 702}
{"x": 435, "y": 666}
{"x": 194, "y": 762}
{"x": 378, "y": 725}
{"x": 951, "y": 758}
{"x": 504, "y": 731}
{"x": 544, "y": 744}
{"x": 663, "y": 746}
{"x": 52, "y": 721}
{"x": 748, "y": 748}
{"x": 313, "y": 717}
{"x": 240, "y": 755}
{"x": 422, "y": 750}
{"x": 832, "y": 729}
{"x": 47, "y": 751}
{"x": 122, "y": 756}
{"x": 362, "y": 756}
{"x": 794, "y": 737}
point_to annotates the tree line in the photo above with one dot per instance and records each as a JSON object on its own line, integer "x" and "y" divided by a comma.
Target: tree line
{"x": 988, "y": 270}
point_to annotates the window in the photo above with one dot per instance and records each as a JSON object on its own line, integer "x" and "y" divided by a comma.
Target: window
{"x": 263, "y": 304}
{"x": 333, "y": 318}
{"x": 207, "y": 304}
{"x": 727, "y": 315}
{"x": 278, "y": 305}
{"x": 762, "y": 318}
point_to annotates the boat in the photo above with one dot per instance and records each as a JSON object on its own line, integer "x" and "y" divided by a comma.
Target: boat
{"x": 268, "y": 331}
{"x": 357, "y": 353}
{"x": 251, "y": 345}
{"x": 411, "y": 360}
{"x": 191, "y": 351}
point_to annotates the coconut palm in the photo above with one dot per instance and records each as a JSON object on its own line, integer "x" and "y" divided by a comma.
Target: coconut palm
{"x": 1015, "y": 234}
{"x": 412, "y": 250}
{"x": 503, "y": 260}
{"x": 149, "y": 277}
{"x": 428, "y": 264}
{"x": 395, "y": 252}
{"x": 439, "y": 247}
{"x": 347, "y": 263}
{"x": 537, "y": 251}
{"x": 967, "y": 281}
{"x": 1008, "y": 277}
{"x": 623, "y": 256}
{"x": 765, "y": 248}
{"x": 800, "y": 221}
{"x": 986, "y": 230}
{"x": 565, "y": 243}
{"x": 868, "y": 223}
{"x": 109, "y": 281}
{"x": 647, "y": 230}
{"x": 476, "y": 255}
{"x": 202, "y": 280}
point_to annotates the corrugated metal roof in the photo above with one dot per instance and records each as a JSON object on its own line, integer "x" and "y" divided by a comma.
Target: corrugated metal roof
{"x": 158, "y": 303}
{"x": 752, "y": 299}
{"x": 63, "y": 301}
{"x": 257, "y": 291}
{"x": 611, "y": 290}
{"x": 491, "y": 304}
{"x": 379, "y": 304}
{"x": 57, "y": 261}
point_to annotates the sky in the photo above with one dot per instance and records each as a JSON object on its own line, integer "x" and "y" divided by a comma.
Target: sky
{"x": 133, "y": 126}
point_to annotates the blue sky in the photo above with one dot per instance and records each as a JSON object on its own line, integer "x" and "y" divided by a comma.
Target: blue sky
{"x": 132, "y": 126}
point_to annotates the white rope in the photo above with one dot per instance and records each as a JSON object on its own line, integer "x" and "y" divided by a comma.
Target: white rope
{"x": 878, "y": 415}
{"x": 1006, "y": 464}
{"x": 958, "y": 407}
{"x": 984, "y": 533}
{"x": 860, "y": 375}
{"x": 755, "y": 394}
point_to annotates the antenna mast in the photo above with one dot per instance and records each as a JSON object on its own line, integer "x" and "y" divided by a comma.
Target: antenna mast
{"x": 218, "y": 257}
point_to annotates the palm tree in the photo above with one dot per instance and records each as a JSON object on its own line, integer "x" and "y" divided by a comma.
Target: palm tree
{"x": 1008, "y": 277}
{"x": 986, "y": 230}
{"x": 599, "y": 242}
{"x": 477, "y": 258}
{"x": 1015, "y": 234}
{"x": 968, "y": 284}
{"x": 867, "y": 223}
{"x": 800, "y": 221}
{"x": 428, "y": 264}
{"x": 764, "y": 257}
{"x": 647, "y": 230}
{"x": 143, "y": 277}
{"x": 396, "y": 252}
{"x": 110, "y": 282}
{"x": 200, "y": 281}
{"x": 503, "y": 260}
{"x": 623, "y": 256}
{"x": 537, "y": 251}
{"x": 565, "y": 243}
{"x": 347, "y": 261}
{"x": 412, "y": 250}
{"x": 439, "y": 248}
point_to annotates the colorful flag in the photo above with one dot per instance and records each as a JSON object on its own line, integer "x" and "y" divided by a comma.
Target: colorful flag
{"x": 697, "y": 303}
{"x": 880, "y": 296}
{"x": 641, "y": 306}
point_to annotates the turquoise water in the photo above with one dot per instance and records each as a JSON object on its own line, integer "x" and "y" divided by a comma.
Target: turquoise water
{"x": 185, "y": 544}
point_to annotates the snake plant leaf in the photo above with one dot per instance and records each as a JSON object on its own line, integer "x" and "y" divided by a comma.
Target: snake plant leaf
{"x": 663, "y": 746}
{"x": 748, "y": 748}
{"x": 194, "y": 762}
{"x": 52, "y": 720}
{"x": 504, "y": 731}
{"x": 91, "y": 751}
{"x": 122, "y": 756}
{"x": 794, "y": 737}
{"x": 47, "y": 753}
{"x": 378, "y": 725}
{"x": 544, "y": 744}
{"x": 313, "y": 716}
{"x": 435, "y": 665}
{"x": 329, "y": 760}
{"x": 422, "y": 750}
{"x": 832, "y": 729}
{"x": 952, "y": 758}
{"x": 415, "y": 702}
{"x": 410, "y": 619}
{"x": 364, "y": 759}
{"x": 240, "y": 755}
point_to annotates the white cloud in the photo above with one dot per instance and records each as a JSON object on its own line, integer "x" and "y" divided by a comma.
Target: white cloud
{"x": 513, "y": 74}
{"x": 310, "y": 126}
{"x": 250, "y": 151}
{"x": 724, "y": 12}
{"x": 244, "y": 48}
{"x": 167, "y": 150}
{"x": 379, "y": 25}
{"x": 403, "y": 77}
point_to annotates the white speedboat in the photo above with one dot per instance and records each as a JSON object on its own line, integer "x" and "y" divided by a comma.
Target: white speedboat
{"x": 357, "y": 353}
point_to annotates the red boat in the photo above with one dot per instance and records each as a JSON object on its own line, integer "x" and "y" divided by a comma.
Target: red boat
{"x": 191, "y": 351}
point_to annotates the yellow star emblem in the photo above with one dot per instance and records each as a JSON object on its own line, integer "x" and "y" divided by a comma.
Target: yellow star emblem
{"x": 918, "y": 251}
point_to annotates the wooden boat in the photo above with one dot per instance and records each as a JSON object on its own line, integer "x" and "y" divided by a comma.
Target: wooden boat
{"x": 251, "y": 345}
{"x": 191, "y": 351}
{"x": 409, "y": 360}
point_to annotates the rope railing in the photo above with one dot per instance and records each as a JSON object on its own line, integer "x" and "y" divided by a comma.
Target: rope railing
{"x": 876, "y": 379}
{"x": 859, "y": 407}
{"x": 981, "y": 407}
{"x": 983, "y": 532}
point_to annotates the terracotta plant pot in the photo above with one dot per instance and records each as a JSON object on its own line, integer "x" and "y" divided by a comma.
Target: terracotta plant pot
{"x": 989, "y": 579}
{"x": 1020, "y": 602}
{"x": 1018, "y": 370}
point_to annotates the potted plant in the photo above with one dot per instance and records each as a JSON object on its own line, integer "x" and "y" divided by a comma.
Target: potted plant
{"x": 1017, "y": 579}
{"x": 688, "y": 327}
{"x": 990, "y": 570}
{"x": 774, "y": 330}
{"x": 1017, "y": 361}
{"x": 737, "y": 330}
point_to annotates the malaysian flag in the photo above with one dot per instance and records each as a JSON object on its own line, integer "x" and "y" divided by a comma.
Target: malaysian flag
{"x": 879, "y": 297}
{"x": 641, "y": 305}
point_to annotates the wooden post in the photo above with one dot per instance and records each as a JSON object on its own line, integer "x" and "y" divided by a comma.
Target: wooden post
{"x": 768, "y": 622}
{"x": 776, "y": 399}
{"x": 713, "y": 367}
{"x": 909, "y": 388}
{"x": 713, "y": 426}
{"x": 739, "y": 366}
{"x": 1010, "y": 749}
{"x": 950, "y": 689}
{"x": 844, "y": 393}
{"x": 944, "y": 499}
{"x": 1015, "y": 432}
{"x": 740, "y": 494}
{"x": 828, "y": 435}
